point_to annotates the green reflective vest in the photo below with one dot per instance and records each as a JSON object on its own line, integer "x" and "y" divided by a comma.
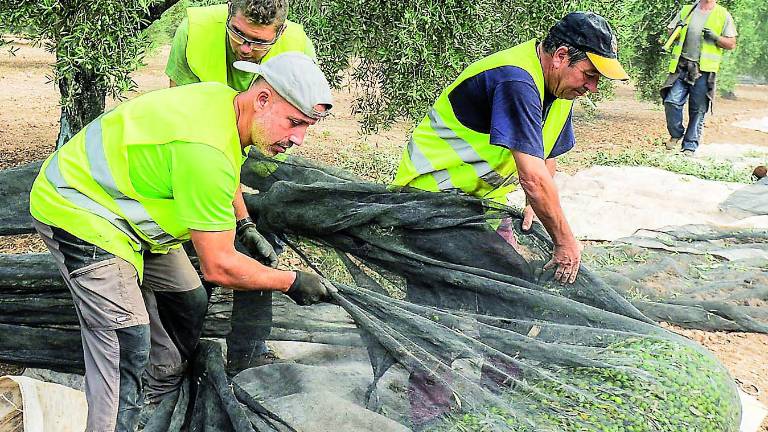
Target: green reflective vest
{"x": 444, "y": 155}
{"x": 711, "y": 54}
{"x": 207, "y": 42}
{"x": 84, "y": 187}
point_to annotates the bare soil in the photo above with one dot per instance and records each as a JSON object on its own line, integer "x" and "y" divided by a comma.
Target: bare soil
{"x": 29, "y": 126}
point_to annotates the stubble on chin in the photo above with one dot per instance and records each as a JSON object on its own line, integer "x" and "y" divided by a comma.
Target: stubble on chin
{"x": 259, "y": 140}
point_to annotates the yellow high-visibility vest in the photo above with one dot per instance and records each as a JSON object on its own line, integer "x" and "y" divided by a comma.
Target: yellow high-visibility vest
{"x": 207, "y": 42}
{"x": 85, "y": 188}
{"x": 445, "y": 155}
{"x": 711, "y": 54}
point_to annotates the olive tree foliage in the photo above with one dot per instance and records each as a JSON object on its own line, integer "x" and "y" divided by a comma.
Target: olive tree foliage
{"x": 646, "y": 27}
{"x": 97, "y": 44}
{"x": 402, "y": 54}
{"x": 748, "y": 59}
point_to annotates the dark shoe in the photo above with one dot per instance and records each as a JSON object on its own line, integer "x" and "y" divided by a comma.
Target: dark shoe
{"x": 498, "y": 374}
{"x": 672, "y": 143}
{"x": 429, "y": 399}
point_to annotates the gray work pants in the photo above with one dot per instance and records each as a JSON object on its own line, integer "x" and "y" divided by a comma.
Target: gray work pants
{"x": 131, "y": 332}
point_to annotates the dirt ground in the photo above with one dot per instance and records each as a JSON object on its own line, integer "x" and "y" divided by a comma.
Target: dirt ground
{"x": 29, "y": 126}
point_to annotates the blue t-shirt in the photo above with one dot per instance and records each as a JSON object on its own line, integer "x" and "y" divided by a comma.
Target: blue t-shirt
{"x": 504, "y": 102}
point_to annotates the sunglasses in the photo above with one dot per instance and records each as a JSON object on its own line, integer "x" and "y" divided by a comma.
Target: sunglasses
{"x": 255, "y": 44}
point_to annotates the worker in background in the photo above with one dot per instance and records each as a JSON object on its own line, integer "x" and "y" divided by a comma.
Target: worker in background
{"x": 507, "y": 117}
{"x": 707, "y": 30}
{"x": 114, "y": 204}
{"x": 210, "y": 39}
{"x": 206, "y": 44}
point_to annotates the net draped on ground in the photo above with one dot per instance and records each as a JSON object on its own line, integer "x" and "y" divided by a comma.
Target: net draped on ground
{"x": 489, "y": 340}
{"x": 448, "y": 288}
{"x": 695, "y": 276}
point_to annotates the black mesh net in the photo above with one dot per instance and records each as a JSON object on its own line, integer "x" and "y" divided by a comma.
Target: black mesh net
{"x": 695, "y": 276}
{"x": 448, "y": 291}
{"x": 450, "y": 288}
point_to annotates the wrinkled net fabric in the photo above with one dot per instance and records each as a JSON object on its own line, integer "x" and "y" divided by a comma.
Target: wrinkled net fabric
{"x": 450, "y": 291}
{"x": 695, "y": 276}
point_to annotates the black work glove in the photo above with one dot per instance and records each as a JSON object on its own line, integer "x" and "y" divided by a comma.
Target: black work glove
{"x": 257, "y": 246}
{"x": 709, "y": 35}
{"x": 309, "y": 289}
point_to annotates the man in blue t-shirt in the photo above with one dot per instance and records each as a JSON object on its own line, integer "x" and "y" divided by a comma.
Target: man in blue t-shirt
{"x": 486, "y": 131}
{"x": 504, "y": 102}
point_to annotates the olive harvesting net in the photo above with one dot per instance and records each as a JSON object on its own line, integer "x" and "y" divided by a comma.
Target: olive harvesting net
{"x": 450, "y": 295}
{"x": 450, "y": 288}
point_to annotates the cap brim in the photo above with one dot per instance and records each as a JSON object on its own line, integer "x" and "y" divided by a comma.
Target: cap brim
{"x": 608, "y": 67}
{"x": 247, "y": 66}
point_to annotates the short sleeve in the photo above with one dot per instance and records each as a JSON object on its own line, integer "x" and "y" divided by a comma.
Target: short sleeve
{"x": 177, "y": 68}
{"x": 729, "y": 30}
{"x": 516, "y": 117}
{"x": 566, "y": 141}
{"x": 204, "y": 184}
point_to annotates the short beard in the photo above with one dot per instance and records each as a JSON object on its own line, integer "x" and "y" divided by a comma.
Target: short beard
{"x": 259, "y": 140}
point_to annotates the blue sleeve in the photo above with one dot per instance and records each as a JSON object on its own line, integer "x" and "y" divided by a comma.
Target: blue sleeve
{"x": 516, "y": 117}
{"x": 566, "y": 140}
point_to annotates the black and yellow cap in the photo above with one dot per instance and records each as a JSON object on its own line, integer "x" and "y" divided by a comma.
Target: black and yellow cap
{"x": 592, "y": 34}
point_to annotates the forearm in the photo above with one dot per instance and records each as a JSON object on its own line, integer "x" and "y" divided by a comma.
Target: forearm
{"x": 241, "y": 211}
{"x": 222, "y": 265}
{"x": 727, "y": 43}
{"x": 240, "y": 272}
{"x": 543, "y": 198}
{"x": 551, "y": 165}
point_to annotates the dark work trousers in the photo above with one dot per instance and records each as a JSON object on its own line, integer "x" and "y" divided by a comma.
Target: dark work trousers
{"x": 251, "y": 323}
{"x": 429, "y": 398}
{"x": 134, "y": 334}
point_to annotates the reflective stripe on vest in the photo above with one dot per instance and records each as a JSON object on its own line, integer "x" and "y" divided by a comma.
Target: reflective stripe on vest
{"x": 462, "y": 148}
{"x": 54, "y": 176}
{"x": 207, "y": 42}
{"x": 134, "y": 211}
{"x": 444, "y": 155}
{"x": 711, "y": 55}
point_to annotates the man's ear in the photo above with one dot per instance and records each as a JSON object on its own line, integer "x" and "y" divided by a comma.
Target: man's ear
{"x": 262, "y": 99}
{"x": 560, "y": 57}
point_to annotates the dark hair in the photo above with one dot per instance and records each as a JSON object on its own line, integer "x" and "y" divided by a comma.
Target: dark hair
{"x": 552, "y": 43}
{"x": 262, "y": 12}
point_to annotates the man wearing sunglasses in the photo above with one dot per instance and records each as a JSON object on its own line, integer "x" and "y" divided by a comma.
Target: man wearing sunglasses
{"x": 210, "y": 39}
{"x": 206, "y": 45}
{"x": 507, "y": 117}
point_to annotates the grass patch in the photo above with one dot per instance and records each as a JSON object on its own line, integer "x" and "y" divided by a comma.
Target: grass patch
{"x": 607, "y": 257}
{"x": 372, "y": 162}
{"x": 755, "y": 154}
{"x": 707, "y": 168}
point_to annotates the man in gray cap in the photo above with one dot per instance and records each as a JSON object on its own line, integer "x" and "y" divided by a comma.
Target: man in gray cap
{"x": 115, "y": 202}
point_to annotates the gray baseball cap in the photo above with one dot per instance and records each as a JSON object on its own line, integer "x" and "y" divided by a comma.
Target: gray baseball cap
{"x": 297, "y": 78}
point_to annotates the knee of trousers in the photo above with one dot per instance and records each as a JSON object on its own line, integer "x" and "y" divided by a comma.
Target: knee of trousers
{"x": 134, "y": 347}
{"x": 674, "y": 104}
{"x": 197, "y": 301}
